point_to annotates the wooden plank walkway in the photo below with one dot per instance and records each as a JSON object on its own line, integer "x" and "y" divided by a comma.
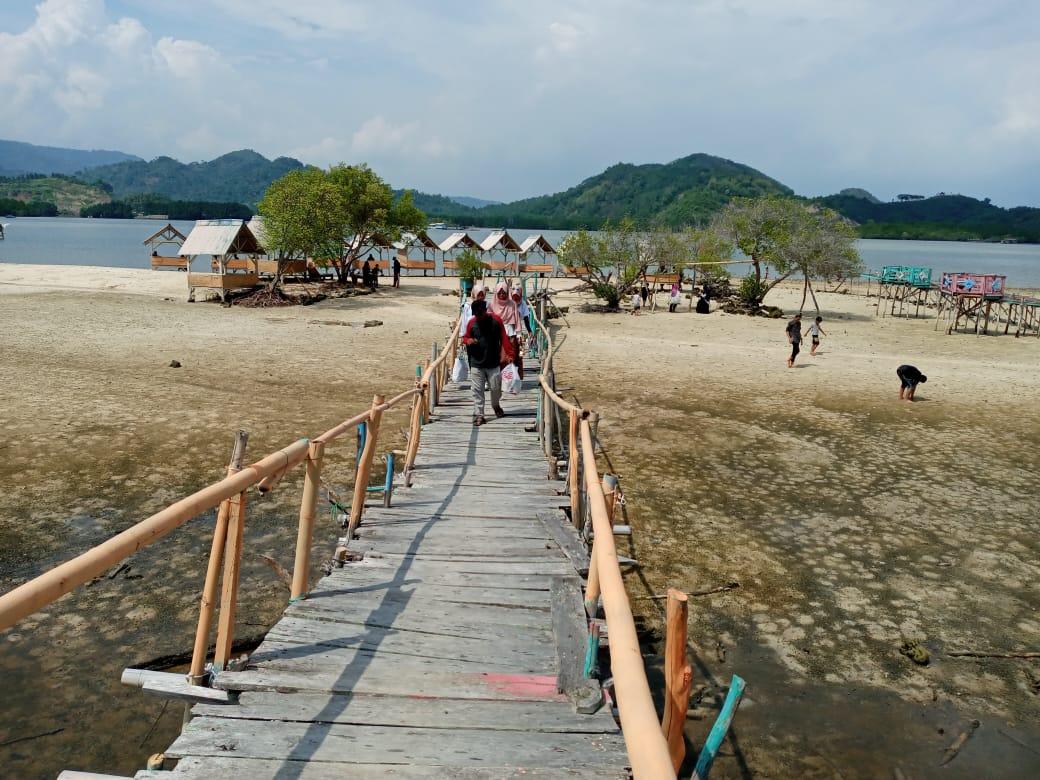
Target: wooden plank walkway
{"x": 453, "y": 649}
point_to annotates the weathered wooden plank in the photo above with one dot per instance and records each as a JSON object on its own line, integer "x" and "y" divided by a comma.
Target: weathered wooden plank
{"x": 412, "y": 566}
{"x": 347, "y": 743}
{"x": 468, "y": 547}
{"x": 222, "y": 767}
{"x": 445, "y": 533}
{"x": 401, "y": 711}
{"x": 360, "y": 572}
{"x": 441, "y": 618}
{"x": 281, "y": 647}
{"x": 570, "y": 632}
{"x": 566, "y": 536}
{"x": 428, "y": 594}
{"x": 395, "y": 680}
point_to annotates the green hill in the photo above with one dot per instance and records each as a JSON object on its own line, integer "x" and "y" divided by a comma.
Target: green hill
{"x": 237, "y": 177}
{"x": 686, "y": 191}
{"x": 68, "y": 195}
{"x": 943, "y": 217}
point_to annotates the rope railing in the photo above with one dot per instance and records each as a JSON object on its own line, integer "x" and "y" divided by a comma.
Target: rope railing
{"x": 229, "y": 497}
{"x": 648, "y": 748}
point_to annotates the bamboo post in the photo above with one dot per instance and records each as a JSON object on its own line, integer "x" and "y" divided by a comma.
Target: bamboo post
{"x": 572, "y": 468}
{"x": 419, "y": 401}
{"x": 305, "y": 533}
{"x": 592, "y": 588}
{"x": 427, "y": 406}
{"x": 232, "y": 570}
{"x": 678, "y": 675}
{"x": 365, "y": 469}
{"x": 547, "y": 425}
{"x": 196, "y": 674}
{"x": 435, "y": 379}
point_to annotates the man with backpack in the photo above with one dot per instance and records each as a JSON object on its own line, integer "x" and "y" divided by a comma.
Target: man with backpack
{"x": 489, "y": 349}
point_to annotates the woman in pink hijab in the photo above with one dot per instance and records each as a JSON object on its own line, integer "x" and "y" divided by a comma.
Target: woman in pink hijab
{"x": 506, "y": 309}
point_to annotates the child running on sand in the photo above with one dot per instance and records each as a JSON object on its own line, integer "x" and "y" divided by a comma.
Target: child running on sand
{"x": 637, "y": 303}
{"x": 815, "y": 330}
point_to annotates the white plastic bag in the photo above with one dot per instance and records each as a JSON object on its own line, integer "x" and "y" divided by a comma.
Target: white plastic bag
{"x": 511, "y": 382}
{"x": 460, "y": 371}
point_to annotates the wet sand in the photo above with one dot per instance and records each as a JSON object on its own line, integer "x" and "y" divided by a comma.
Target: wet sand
{"x": 853, "y": 522}
{"x": 100, "y": 432}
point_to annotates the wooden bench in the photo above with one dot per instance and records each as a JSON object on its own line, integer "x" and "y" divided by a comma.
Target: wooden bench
{"x": 159, "y": 261}
{"x": 538, "y": 268}
{"x": 239, "y": 264}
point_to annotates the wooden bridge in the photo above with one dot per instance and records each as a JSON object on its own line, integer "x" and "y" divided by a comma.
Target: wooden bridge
{"x": 452, "y": 638}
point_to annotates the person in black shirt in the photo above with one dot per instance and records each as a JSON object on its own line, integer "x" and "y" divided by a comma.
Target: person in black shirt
{"x": 794, "y": 337}
{"x": 909, "y": 378}
{"x": 488, "y": 348}
{"x": 397, "y": 272}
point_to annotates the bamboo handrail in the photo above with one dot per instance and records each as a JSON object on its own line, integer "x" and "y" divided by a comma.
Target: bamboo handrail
{"x": 647, "y": 748}
{"x": 52, "y": 585}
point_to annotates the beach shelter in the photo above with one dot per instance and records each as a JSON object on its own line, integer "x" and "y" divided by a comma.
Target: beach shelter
{"x": 412, "y": 244}
{"x": 223, "y": 240}
{"x": 168, "y": 235}
{"x": 538, "y": 255}
{"x": 500, "y": 242}
{"x": 453, "y": 244}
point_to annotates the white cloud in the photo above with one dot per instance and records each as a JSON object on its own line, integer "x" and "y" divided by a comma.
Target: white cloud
{"x": 126, "y": 38}
{"x": 188, "y": 60}
{"x": 379, "y": 137}
{"x": 300, "y": 19}
{"x": 83, "y": 90}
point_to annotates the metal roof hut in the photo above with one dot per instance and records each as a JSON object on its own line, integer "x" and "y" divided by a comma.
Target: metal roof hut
{"x": 501, "y": 241}
{"x": 223, "y": 240}
{"x": 538, "y": 247}
{"x": 453, "y": 244}
{"x": 167, "y": 235}
{"x": 412, "y": 243}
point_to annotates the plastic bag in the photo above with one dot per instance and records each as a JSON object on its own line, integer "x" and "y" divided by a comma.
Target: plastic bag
{"x": 511, "y": 381}
{"x": 460, "y": 371}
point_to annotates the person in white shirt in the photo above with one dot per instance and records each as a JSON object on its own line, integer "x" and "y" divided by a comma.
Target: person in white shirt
{"x": 815, "y": 330}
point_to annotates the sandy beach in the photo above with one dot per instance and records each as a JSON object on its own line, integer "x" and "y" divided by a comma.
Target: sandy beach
{"x": 853, "y": 522}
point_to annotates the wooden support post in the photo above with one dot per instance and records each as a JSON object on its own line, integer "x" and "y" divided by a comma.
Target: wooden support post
{"x": 196, "y": 673}
{"x": 678, "y": 675}
{"x": 435, "y": 390}
{"x": 427, "y": 406}
{"x": 547, "y": 425}
{"x": 594, "y": 428}
{"x": 365, "y": 469}
{"x": 718, "y": 732}
{"x": 308, "y": 509}
{"x": 572, "y": 469}
{"x": 592, "y": 589}
{"x": 232, "y": 570}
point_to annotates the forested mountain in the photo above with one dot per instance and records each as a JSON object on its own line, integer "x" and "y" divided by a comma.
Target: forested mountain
{"x": 686, "y": 191}
{"x": 239, "y": 177}
{"x": 18, "y": 158}
{"x": 65, "y": 194}
{"x": 949, "y": 217}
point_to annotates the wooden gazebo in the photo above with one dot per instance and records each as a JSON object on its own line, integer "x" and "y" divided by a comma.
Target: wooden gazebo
{"x": 538, "y": 249}
{"x": 417, "y": 242}
{"x": 500, "y": 242}
{"x": 223, "y": 240}
{"x": 453, "y": 244}
{"x": 168, "y": 235}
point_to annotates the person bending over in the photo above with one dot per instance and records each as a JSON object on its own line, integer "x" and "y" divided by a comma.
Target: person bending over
{"x": 488, "y": 349}
{"x": 909, "y": 378}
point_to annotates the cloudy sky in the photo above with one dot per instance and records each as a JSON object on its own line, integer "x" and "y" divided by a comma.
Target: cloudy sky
{"x": 510, "y": 98}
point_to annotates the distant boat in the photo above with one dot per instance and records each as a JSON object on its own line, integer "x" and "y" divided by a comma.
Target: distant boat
{"x": 437, "y": 226}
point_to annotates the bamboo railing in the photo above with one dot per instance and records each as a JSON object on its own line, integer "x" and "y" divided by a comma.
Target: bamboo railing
{"x": 646, "y": 742}
{"x": 229, "y": 497}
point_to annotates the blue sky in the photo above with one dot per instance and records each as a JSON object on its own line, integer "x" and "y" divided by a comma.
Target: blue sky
{"x": 516, "y": 98}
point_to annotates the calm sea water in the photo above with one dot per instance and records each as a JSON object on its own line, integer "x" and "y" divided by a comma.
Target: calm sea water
{"x": 118, "y": 243}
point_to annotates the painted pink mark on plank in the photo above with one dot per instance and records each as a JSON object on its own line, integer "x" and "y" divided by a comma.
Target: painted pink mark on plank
{"x": 523, "y": 686}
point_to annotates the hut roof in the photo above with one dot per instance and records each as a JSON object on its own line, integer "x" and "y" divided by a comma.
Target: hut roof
{"x": 220, "y": 237}
{"x": 539, "y": 241}
{"x": 168, "y": 234}
{"x": 500, "y": 239}
{"x": 462, "y": 238}
{"x": 421, "y": 238}
{"x": 257, "y": 228}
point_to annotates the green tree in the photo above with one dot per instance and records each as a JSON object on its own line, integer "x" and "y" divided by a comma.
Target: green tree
{"x": 371, "y": 213}
{"x": 304, "y": 216}
{"x": 611, "y": 261}
{"x": 469, "y": 266}
{"x": 789, "y": 236}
